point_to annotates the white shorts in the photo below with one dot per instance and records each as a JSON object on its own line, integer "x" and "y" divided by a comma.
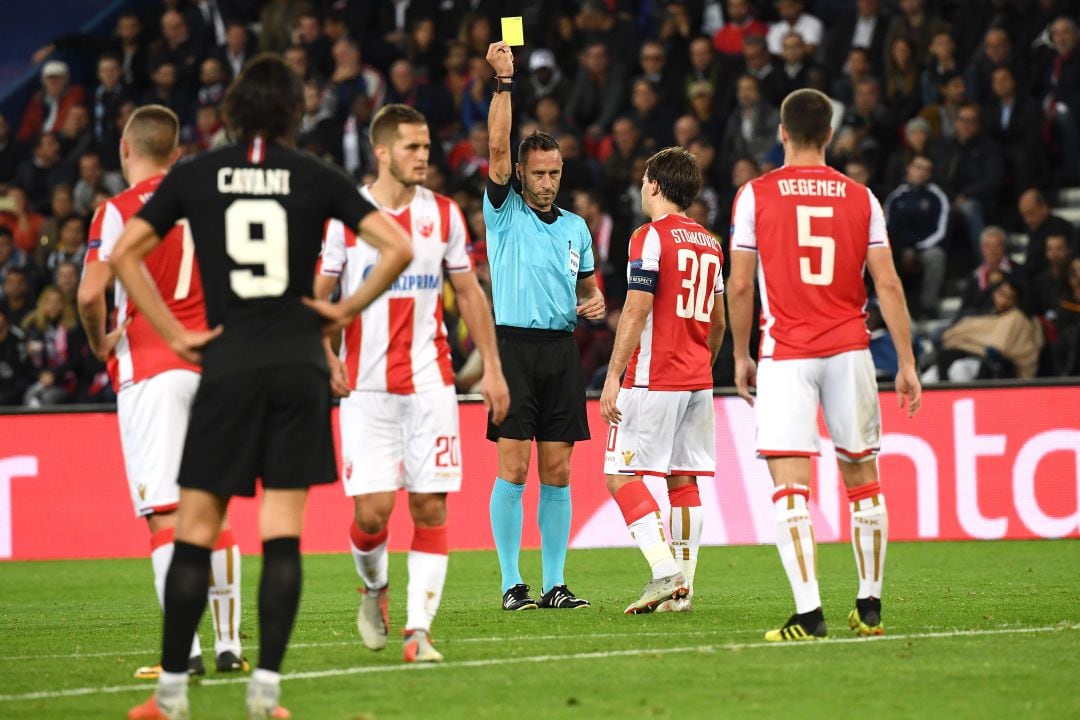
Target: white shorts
{"x": 393, "y": 441}
{"x": 662, "y": 433}
{"x": 153, "y": 415}
{"x": 788, "y": 394}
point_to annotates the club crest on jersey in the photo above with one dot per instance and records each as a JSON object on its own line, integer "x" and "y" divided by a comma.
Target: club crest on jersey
{"x": 425, "y": 227}
{"x": 628, "y": 456}
{"x": 348, "y": 469}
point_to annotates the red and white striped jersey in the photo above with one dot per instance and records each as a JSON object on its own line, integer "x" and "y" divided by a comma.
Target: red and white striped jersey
{"x": 141, "y": 353}
{"x": 811, "y": 228}
{"x": 398, "y": 344}
{"x": 686, "y": 262}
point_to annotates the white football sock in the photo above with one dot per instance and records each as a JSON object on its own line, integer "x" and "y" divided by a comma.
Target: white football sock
{"x": 795, "y": 541}
{"x": 686, "y": 524}
{"x": 225, "y": 598}
{"x": 427, "y": 575}
{"x": 648, "y": 531}
{"x": 372, "y": 562}
{"x": 869, "y": 538}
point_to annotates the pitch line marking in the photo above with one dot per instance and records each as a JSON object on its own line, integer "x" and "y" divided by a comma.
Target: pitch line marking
{"x": 342, "y": 643}
{"x": 532, "y": 659}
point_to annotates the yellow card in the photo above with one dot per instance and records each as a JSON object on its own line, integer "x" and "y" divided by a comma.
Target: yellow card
{"x": 512, "y": 31}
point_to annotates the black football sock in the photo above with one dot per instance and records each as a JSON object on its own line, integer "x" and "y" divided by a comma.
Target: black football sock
{"x": 279, "y": 598}
{"x": 186, "y": 585}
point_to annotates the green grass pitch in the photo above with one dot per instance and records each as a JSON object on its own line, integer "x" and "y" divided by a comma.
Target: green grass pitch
{"x": 974, "y": 630}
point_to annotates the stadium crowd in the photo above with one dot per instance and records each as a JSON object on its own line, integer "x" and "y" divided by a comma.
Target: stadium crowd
{"x": 962, "y": 115}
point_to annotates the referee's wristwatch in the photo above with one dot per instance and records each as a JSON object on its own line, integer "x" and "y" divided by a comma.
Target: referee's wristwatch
{"x": 504, "y": 83}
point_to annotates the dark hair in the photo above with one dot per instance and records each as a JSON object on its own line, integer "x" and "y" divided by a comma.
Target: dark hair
{"x": 384, "y": 126}
{"x": 537, "y": 141}
{"x": 153, "y": 132}
{"x": 807, "y": 116}
{"x": 920, "y": 156}
{"x": 69, "y": 218}
{"x": 677, "y": 173}
{"x": 265, "y": 99}
{"x": 5, "y": 230}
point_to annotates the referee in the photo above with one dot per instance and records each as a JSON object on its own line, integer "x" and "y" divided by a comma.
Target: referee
{"x": 542, "y": 278}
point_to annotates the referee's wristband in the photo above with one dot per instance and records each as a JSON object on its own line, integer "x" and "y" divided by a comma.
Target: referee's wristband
{"x": 503, "y": 86}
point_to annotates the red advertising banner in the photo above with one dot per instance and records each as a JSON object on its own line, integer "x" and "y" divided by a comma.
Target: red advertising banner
{"x": 986, "y": 463}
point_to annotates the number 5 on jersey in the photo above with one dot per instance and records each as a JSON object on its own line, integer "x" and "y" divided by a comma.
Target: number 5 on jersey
{"x": 803, "y": 215}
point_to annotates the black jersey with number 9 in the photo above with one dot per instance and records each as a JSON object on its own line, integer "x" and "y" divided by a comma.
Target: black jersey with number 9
{"x": 257, "y": 214}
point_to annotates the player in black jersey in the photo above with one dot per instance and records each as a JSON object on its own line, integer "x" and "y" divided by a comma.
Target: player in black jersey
{"x": 257, "y": 209}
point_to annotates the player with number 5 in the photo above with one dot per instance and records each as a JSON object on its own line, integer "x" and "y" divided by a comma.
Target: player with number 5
{"x": 811, "y": 232}
{"x": 661, "y": 420}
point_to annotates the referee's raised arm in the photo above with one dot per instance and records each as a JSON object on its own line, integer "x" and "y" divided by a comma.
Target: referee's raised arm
{"x": 501, "y": 60}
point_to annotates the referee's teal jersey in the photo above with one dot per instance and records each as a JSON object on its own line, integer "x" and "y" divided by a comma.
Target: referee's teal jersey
{"x": 535, "y": 265}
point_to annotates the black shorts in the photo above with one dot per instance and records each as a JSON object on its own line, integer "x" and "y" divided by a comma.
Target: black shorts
{"x": 547, "y": 386}
{"x": 271, "y": 423}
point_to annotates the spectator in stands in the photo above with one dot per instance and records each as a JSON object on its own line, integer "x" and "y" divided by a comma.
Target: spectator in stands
{"x": 599, "y": 91}
{"x": 108, "y": 96}
{"x": 766, "y": 70}
{"x": 49, "y": 106}
{"x": 477, "y": 98}
{"x": 1051, "y": 285}
{"x": 686, "y": 128}
{"x": 212, "y": 82}
{"x": 864, "y": 30}
{"x": 902, "y": 92}
{"x": 793, "y": 18}
{"x": 177, "y": 48}
{"x": 238, "y": 48}
{"x": 589, "y": 205}
{"x": 351, "y": 78}
{"x": 995, "y": 265}
{"x": 277, "y": 19}
{"x": 866, "y": 129}
{"x": 1014, "y": 123}
{"x": 705, "y": 67}
{"x": 548, "y": 117}
{"x": 166, "y": 89}
{"x": 55, "y": 346}
{"x": 63, "y": 204}
{"x": 941, "y": 65}
{"x": 11, "y": 257}
{"x": 1004, "y": 343}
{"x": 296, "y": 58}
{"x": 1065, "y": 353}
{"x": 17, "y": 299}
{"x": 914, "y": 24}
{"x": 996, "y": 52}
{"x": 20, "y": 218}
{"x": 941, "y": 116}
{"x": 1059, "y": 87}
{"x": 579, "y": 171}
{"x": 42, "y": 171}
{"x": 110, "y": 152}
{"x": 209, "y": 131}
{"x": 970, "y": 171}
{"x": 431, "y": 100}
{"x": 9, "y": 152}
{"x": 66, "y": 278}
{"x": 207, "y": 20}
{"x": 349, "y": 141}
{"x": 1040, "y": 224}
{"x": 654, "y": 67}
{"x": 71, "y": 247}
{"x": 917, "y": 215}
{"x": 916, "y": 142}
{"x": 76, "y": 137}
{"x": 740, "y": 24}
{"x": 597, "y": 23}
{"x": 15, "y": 371}
{"x": 544, "y": 79}
{"x": 703, "y": 110}
{"x": 469, "y": 161}
{"x": 94, "y": 178}
{"x": 858, "y": 67}
{"x": 313, "y": 130}
{"x": 751, "y": 129}
{"x": 626, "y": 147}
{"x": 655, "y": 121}
{"x": 310, "y": 36}
{"x": 743, "y": 170}
{"x": 799, "y": 68}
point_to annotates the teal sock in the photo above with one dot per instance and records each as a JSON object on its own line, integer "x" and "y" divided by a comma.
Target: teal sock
{"x": 553, "y": 517}
{"x": 506, "y": 529}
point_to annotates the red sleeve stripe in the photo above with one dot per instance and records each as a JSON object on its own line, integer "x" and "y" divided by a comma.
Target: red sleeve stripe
{"x": 862, "y": 492}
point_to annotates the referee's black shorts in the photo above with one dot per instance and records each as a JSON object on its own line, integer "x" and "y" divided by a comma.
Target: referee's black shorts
{"x": 547, "y": 386}
{"x": 271, "y": 423}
